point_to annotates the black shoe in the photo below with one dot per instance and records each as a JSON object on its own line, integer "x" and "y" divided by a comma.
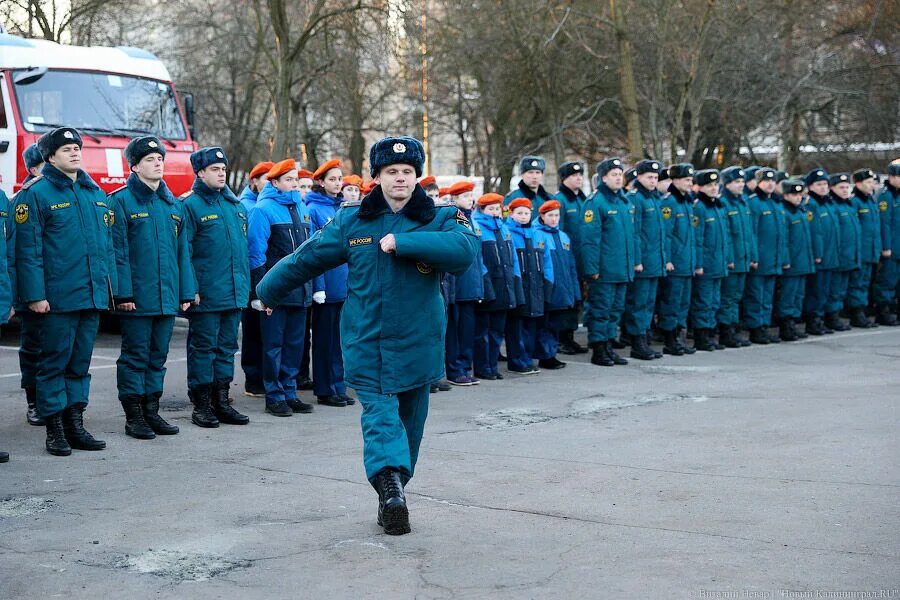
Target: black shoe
{"x": 254, "y": 389}
{"x": 727, "y": 337}
{"x": 501, "y": 357}
{"x": 135, "y": 424}
{"x": 298, "y": 406}
{"x": 485, "y": 376}
{"x": 639, "y": 348}
{"x": 350, "y": 401}
{"x": 613, "y": 355}
{"x": 786, "y": 330}
{"x": 656, "y": 353}
{"x": 600, "y": 355}
{"x": 622, "y": 342}
{"x": 885, "y": 317}
{"x": 331, "y": 401}
{"x": 433, "y": 388}
{"x": 834, "y": 322}
{"x": 56, "y": 443}
{"x": 305, "y": 383}
{"x": 702, "y": 340}
{"x": 670, "y": 343}
{"x": 551, "y": 364}
{"x": 529, "y": 370}
{"x": 32, "y": 416}
{"x": 203, "y": 415}
{"x": 814, "y": 326}
{"x": 758, "y": 336}
{"x": 682, "y": 343}
{"x": 221, "y": 405}
{"x": 801, "y": 333}
{"x": 442, "y": 386}
{"x": 568, "y": 345}
{"x": 76, "y": 434}
{"x": 4, "y": 457}
{"x": 279, "y": 409}
{"x": 773, "y": 339}
{"x": 859, "y": 319}
{"x": 393, "y": 514}
{"x": 151, "y": 416}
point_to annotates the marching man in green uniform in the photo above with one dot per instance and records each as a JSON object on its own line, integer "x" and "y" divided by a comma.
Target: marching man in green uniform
{"x": 66, "y": 276}
{"x": 215, "y": 225}
{"x": 396, "y": 245}
{"x": 155, "y": 279}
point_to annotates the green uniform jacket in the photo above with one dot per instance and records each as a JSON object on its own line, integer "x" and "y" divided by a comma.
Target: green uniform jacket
{"x": 215, "y": 228}
{"x": 7, "y": 259}
{"x": 571, "y": 214}
{"x": 869, "y": 226}
{"x": 799, "y": 239}
{"x": 394, "y": 320}
{"x": 650, "y": 231}
{"x": 608, "y": 247}
{"x": 678, "y": 216}
{"x": 889, "y": 207}
{"x": 64, "y": 249}
{"x": 740, "y": 228}
{"x": 770, "y": 233}
{"x": 712, "y": 237}
{"x": 152, "y": 261}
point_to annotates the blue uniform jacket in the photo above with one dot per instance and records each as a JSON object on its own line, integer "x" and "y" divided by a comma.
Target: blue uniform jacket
{"x": 274, "y": 234}
{"x": 504, "y": 278}
{"x": 825, "y": 229}
{"x": 870, "y": 226}
{"x": 563, "y": 288}
{"x": 152, "y": 262}
{"x": 7, "y": 259}
{"x": 713, "y": 247}
{"x": 531, "y": 262}
{"x": 470, "y": 286}
{"x": 216, "y": 231}
{"x": 740, "y": 228}
{"x": 248, "y": 199}
{"x": 677, "y": 212}
{"x": 799, "y": 239}
{"x": 849, "y": 231}
{"x": 571, "y": 213}
{"x": 769, "y": 232}
{"x": 608, "y": 247}
{"x": 64, "y": 249}
{"x": 650, "y": 231}
{"x": 889, "y": 207}
{"x": 394, "y": 321}
{"x": 322, "y": 209}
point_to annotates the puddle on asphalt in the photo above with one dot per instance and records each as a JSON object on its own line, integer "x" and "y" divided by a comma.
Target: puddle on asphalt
{"x": 511, "y": 417}
{"x": 660, "y": 369}
{"x": 23, "y": 507}
{"x": 180, "y": 566}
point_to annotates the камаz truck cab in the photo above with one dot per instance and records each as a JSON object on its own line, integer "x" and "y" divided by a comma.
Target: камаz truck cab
{"x": 110, "y": 95}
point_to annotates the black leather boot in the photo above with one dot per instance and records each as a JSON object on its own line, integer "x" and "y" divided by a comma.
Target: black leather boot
{"x": 614, "y": 355}
{"x": 758, "y": 336}
{"x": 786, "y": 330}
{"x": 76, "y": 434}
{"x": 670, "y": 343}
{"x": 568, "y": 345}
{"x": 221, "y": 405}
{"x": 835, "y": 323}
{"x": 4, "y": 457}
{"x": 599, "y": 355}
{"x": 56, "y": 444}
{"x": 885, "y": 317}
{"x": 727, "y": 337}
{"x": 639, "y": 348}
{"x": 622, "y": 342}
{"x": 859, "y": 319}
{"x": 203, "y": 415}
{"x": 702, "y": 340}
{"x": 679, "y": 337}
{"x": 801, "y": 333}
{"x": 814, "y": 326}
{"x": 135, "y": 425}
{"x": 393, "y": 514}
{"x": 151, "y": 415}
{"x": 32, "y": 416}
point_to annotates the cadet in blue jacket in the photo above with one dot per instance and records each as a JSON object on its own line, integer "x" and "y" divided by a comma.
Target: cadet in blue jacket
{"x": 563, "y": 288}
{"x": 848, "y": 248}
{"x": 155, "y": 279}
{"x": 279, "y": 224}
{"x": 251, "y": 337}
{"x": 824, "y": 228}
{"x": 216, "y": 232}
{"x": 744, "y": 252}
{"x": 572, "y": 202}
{"x": 789, "y": 299}
{"x": 608, "y": 259}
{"x": 396, "y": 245}
{"x": 714, "y": 258}
{"x": 503, "y": 285}
{"x": 888, "y": 278}
{"x": 771, "y": 242}
{"x": 650, "y": 232}
{"x": 66, "y": 276}
{"x": 329, "y": 294}
{"x": 871, "y": 250}
{"x": 677, "y": 210}
{"x": 523, "y": 322}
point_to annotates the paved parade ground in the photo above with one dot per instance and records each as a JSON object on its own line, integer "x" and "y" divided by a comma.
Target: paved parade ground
{"x": 735, "y": 474}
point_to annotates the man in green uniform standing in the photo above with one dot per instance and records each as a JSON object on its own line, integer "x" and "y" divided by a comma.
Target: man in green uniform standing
{"x": 215, "y": 225}
{"x": 396, "y": 245}
{"x": 155, "y": 277}
{"x": 572, "y": 200}
{"x": 66, "y": 276}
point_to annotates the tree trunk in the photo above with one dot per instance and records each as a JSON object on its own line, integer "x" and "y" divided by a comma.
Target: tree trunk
{"x": 284, "y": 75}
{"x": 628, "y": 90}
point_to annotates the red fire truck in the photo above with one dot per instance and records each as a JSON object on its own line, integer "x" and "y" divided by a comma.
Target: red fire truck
{"x": 109, "y": 94}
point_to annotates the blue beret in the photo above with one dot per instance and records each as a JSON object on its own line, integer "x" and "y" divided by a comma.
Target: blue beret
{"x": 706, "y": 176}
{"x": 863, "y": 174}
{"x": 204, "y": 157}
{"x": 32, "y": 156}
{"x": 681, "y": 170}
{"x": 765, "y": 173}
{"x": 815, "y": 175}
{"x": 647, "y": 166}
{"x": 396, "y": 151}
{"x": 570, "y": 168}
{"x": 732, "y": 174}
{"x": 792, "y": 186}
{"x": 608, "y": 165}
{"x": 894, "y": 169}
{"x": 750, "y": 172}
{"x": 532, "y": 163}
{"x": 53, "y": 140}
{"x": 140, "y": 147}
{"x": 838, "y": 178}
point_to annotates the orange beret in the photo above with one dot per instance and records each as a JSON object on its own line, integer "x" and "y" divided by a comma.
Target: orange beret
{"x": 354, "y": 180}
{"x": 327, "y": 166}
{"x": 367, "y": 187}
{"x": 489, "y": 199}
{"x": 549, "y": 205}
{"x": 443, "y": 191}
{"x": 304, "y": 174}
{"x": 261, "y": 169}
{"x": 426, "y": 181}
{"x": 280, "y": 168}
{"x": 460, "y": 187}
{"x": 519, "y": 203}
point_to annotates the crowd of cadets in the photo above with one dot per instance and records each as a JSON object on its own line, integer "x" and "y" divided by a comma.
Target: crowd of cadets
{"x": 652, "y": 252}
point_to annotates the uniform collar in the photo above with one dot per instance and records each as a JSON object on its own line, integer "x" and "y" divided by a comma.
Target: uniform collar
{"x": 859, "y": 193}
{"x": 570, "y": 195}
{"x": 676, "y": 193}
{"x": 143, "y": 193}
{"x": 210, "y": 195}
{"x": 531, "y": 194}
{"x": 419, "y": 208}
{"x": 707, "y": 200}
{"x": 606, "y": 191}
{"x": 63, "y": 181}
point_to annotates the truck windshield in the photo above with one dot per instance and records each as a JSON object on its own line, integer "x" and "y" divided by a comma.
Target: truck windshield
{"x": 100, "y": 102}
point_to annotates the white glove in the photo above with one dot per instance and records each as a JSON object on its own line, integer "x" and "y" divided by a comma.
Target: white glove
{"x": 319, "y": 297}
{"x": 257, "y": 305}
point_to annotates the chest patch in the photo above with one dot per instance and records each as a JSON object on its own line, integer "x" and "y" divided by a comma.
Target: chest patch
{"x": 566, "y": 246}
{"x": 60, "y": 205}
{"x": 588, "y": 216}
{"x": 882, "y": 206}
{"x": 140, "y": 215}
{"x": 362, "y": 241}
{"x": 809, "y": 216}
{"x": 176, "y": 218}
{"x": 208, "y": 218}
{"x": 21, "y": 213}
{"x": 696, "y": 220}
{"x": 424, "y": 269}
{"x": 666, "y": 212}
{"x": 462, "y": 219}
